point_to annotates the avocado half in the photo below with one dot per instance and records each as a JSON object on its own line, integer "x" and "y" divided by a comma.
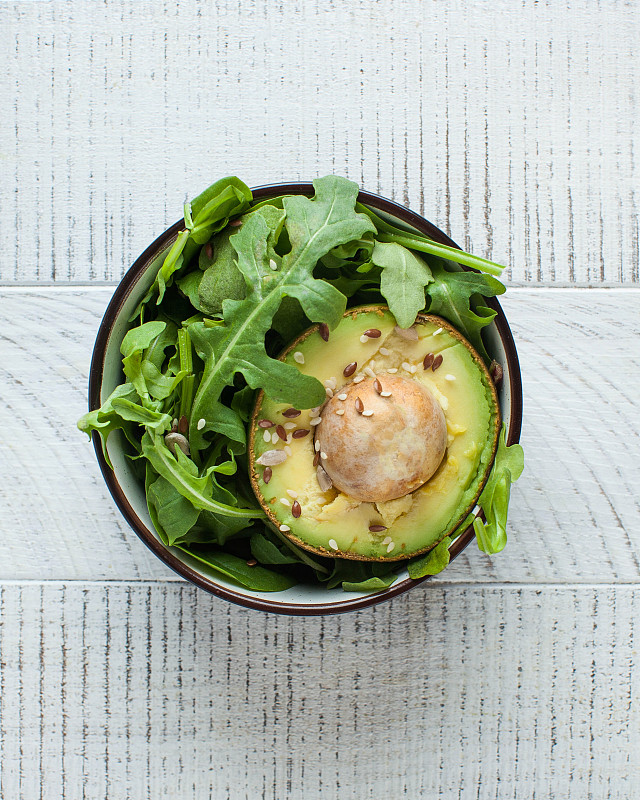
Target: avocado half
{"x": 286, "y": 450}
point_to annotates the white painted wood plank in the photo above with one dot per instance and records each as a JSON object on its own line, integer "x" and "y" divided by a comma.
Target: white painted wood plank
{"x": 513, "y": 128}
{"x": 574, "y": 516}
{"x": 160, "y": 691}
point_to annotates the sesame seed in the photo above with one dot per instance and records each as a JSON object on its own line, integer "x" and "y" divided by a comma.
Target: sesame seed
{"x": 368, "y": 371}
{"x": 315, "y": 421}
{"x": 364, "y": 338}
{"x": 449, "y": 377}
{"x": 386, "y": 540}
{"x": 384, "y": 352}
{"x": 435, "y": 333}
{"x": 390, "y": 547}
{"x": 287, "y": 450}
{"x": 329, "y": 392}
{"x": 285, "y": 528}
{"x": 333, "y": 544}
{"x": 273, "y": 264}
{"x": 316, "y": 445}
{"x": 285, "y": 502}
{"x": 291, "y": 493}
{"x": 339, "y": 411}
{"x": 385, "y": 394}
{"x": 413, "y": 369}
{"x": 298, "y": 357}
{"x": 201, "y": 424}
{"x": 331, "y": 382}
{"x": 266, "y": 436}
{"x": 323, "y": 455}
{"x": 342, "y": 396}
{"x": 274, "y": 438}
{"x": 289, "y": 426}
{"x": 315, "y": 411}
{"x": 406, "y": 366}
{"x": 289, "y": 439}
{"x": 392, "y": 371}
{"x": 368, "y": 413}
{"x": 358, "y": 378}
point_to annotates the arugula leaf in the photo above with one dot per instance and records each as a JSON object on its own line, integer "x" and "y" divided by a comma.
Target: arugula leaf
{"x": 432, "y": 562}
{"x": 174, "y": 513}
{"x": 257, "y": 578}
{"x": 417, "y": 241}
{"x": 370, "y": 584}
{"x": 266, "y": 552}
{"x": 133, "y": 412}
{"x": 107, "y": 419}
{"x": 182, "y": 473}
{"x": 314, "y": 227}
{"x": 210, "y": 210}
{"x": 222, "y": 280}
{"x": 494, "y": 500}
{"x": 404, "y": 276}
{"x": 457, "y": 296}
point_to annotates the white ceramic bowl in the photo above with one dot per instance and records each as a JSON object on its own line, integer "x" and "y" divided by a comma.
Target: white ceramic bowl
{"x": 128, "y": 492}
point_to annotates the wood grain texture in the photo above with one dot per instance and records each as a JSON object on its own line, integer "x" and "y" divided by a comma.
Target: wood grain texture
{"x": 512, "y": 127}
{"x": 155, "y": 691}
{"x": 574, "y": 515}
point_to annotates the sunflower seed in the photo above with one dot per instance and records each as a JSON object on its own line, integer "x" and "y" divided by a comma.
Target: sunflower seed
{"x": 324, "y": 481}
{"x": 410, "y": 334}
{"x": 271, "y": 457}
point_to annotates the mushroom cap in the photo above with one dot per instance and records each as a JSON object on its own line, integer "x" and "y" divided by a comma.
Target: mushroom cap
{"x": 389, "y": 453}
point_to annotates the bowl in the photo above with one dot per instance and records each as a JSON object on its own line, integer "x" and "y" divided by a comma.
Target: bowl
{"x": 127, "y": 491}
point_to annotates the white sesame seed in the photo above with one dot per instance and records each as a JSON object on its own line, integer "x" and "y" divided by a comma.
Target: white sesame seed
{"x": 316, "y": 445}
{"x": 287, "y": 450}
{"x": 368, "y": 413}
{"x": 390, "y": 546}
{"x": 449, "y": 377}
{"x": 323, "y": 455}
{"x": 372, "y": 364}
{"x": 298, "y": 357}
{"x": 273, "y": 264}
{"x": 392, "y": 371}
{"x": 364, "y": 338}
{"x": 358, "y": 378}
{"x": 291, "y": 493}
{"x": 368, "y": 371}
{"x": 329, "y": 392}
{"x": 385, "y": 394}
{"x": 289, "y": 439}
{"x": 285, "y": 528}
{"x": 330, "y": 383}
{"x": 314, "y": 411}
{"x": 406, "y": 366}
{"x": 315, "y": 421}
{"x": 435, "y": 333}
{"x": 274, "y": 438}
{"x": 387, "y": 540}
{"x": 339, "y": 411}
{"x": 413, "y": 369}
{"x": 174, "y": 424}
{"x": 384, "y": 352}
{"x": 333, "y": 544}
{"x": 285, "y": 502}
{"x": 266, "y": 436}
{"x": 342, "y": 396}
{"x": 289, "y": 426}
{"x": 201, "y": 424}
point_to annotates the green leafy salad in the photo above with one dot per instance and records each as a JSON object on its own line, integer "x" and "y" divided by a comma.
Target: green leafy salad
{"x": 239, "y": 284}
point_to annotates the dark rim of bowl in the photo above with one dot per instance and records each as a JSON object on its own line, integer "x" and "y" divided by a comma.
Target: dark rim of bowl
{"x": 126, "y": 286}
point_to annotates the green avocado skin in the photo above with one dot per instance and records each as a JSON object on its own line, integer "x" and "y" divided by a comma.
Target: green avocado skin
{"x": 332, "y": 523}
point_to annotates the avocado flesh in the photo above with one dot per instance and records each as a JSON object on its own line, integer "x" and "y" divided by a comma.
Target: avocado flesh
{"x": 416, "y": 522}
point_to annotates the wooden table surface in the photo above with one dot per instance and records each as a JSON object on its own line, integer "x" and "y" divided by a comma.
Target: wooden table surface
{"x": 512, "y": 127}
